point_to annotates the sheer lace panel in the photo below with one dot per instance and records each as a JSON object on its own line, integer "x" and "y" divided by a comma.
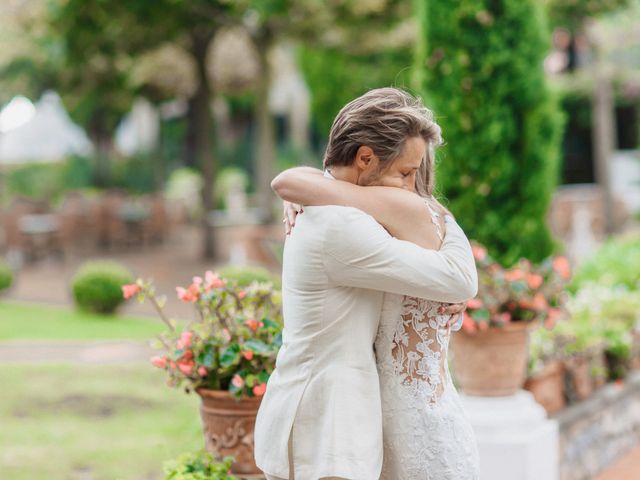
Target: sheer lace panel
{"x": 419, "y": 348}
{"x": 421, "y": 339}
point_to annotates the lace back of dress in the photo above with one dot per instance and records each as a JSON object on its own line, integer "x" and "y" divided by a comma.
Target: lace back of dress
{"x": 421, "y": 340}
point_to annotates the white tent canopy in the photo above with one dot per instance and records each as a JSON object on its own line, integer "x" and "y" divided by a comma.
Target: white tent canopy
{"x": 49, "y": 136}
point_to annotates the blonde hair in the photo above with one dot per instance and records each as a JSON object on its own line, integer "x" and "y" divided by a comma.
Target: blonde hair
{"x": 383, "y": 119}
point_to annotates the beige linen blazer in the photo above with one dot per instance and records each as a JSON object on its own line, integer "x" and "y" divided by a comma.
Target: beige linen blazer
{"x": 324, "y": 393}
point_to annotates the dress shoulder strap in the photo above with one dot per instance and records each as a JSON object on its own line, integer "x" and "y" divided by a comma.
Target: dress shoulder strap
{"x": 434, "y": 218}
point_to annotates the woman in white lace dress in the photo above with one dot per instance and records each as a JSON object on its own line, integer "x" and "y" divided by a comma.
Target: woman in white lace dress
{"x": 426, "y": 432}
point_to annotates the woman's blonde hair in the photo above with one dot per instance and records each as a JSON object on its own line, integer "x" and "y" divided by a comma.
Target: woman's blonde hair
{"x": 383, "y": 119}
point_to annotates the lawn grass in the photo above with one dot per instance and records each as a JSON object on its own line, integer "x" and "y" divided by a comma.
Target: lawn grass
{"x": 98, "y": 422}
{"x": 20, "y": 321}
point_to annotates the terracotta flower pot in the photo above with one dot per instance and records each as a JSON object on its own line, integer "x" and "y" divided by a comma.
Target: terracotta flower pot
{"x": 579, "y": 380}
{"x": 547, "y": 386}
{"x": 493, "y": 362}
{"x": 228, "y": 427}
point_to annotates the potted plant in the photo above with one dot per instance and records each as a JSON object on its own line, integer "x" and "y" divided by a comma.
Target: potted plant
{"x": 490, "y": 353}
{"x": 545, "y": 372}
{"x": 226, "y": 355}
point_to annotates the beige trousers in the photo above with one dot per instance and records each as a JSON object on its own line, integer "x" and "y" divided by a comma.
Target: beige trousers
{"x": 291, "y": 476}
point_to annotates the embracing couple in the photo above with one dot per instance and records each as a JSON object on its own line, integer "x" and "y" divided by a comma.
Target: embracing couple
{"x": 375, "y": 276}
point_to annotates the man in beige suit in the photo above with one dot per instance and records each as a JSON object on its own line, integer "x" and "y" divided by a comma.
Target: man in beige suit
{"x": 321, "y": 415}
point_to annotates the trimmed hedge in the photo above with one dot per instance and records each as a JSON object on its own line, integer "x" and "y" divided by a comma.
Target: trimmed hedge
{"x": 482, "y": 74}
{"x": 245, "y": 275}
{"x": 97, "y": 286}
{"x": 6, "y": 275}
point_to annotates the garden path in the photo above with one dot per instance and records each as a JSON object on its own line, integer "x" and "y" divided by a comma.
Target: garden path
{"x": 94, "y": 352}
{"x": 170, "y": 264}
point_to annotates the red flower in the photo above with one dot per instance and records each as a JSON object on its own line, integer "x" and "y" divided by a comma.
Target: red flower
{"x": 202, "y": 371}
{"x": 242, "y": 294}
{"x": 248, "y": 354}
{"x": 130, "y": 290}
{"x": 259, "y": 389}
{"x": 160, "y": 362}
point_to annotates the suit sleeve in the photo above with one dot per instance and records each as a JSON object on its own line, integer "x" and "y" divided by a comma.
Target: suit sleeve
{"x": 361, "y": 253}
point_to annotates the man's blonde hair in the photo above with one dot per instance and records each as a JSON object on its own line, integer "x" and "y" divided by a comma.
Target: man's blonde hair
{"x": 383, "y": 119}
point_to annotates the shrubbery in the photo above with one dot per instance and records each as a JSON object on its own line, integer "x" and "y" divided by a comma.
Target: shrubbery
{"x": 6, "y": 275}
{"x": 97, "y": 286}
{"x": 482, "y": 68}
{"x": 616, "y": 263}
{"x": 245, "y": 275}
{"x": 198, "y": 466}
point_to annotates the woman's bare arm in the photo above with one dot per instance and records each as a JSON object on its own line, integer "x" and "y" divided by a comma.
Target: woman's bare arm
{"x": 403, "y": 213}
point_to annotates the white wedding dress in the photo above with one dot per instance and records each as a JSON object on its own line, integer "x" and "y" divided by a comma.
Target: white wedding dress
{"x": 427, "y": 435}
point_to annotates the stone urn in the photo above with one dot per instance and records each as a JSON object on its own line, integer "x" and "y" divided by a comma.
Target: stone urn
{"x": 492, "y": 362}
{"x": 228, "y": 425}
{"x": 547, "y": 386}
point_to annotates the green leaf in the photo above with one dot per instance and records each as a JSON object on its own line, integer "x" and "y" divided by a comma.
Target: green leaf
{"x": 268, "y": 323}
{"x": 230, "y": 356}
{"x": 256, "y": 346}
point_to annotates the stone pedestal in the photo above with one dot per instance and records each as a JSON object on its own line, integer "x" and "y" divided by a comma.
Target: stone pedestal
{"x": 516, "y": 440}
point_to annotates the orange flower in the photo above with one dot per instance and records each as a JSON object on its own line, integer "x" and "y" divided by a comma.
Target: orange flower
{"x": 212, "y": 280}
{"x": 514, "y": 274}
{"x": 160, "y": 362}
{"x": 226, "y": 335}
{"x": 526, "y": 304}
{"x": 253, "y": 324}
{"x": 247, "y": 354}
{"x": 186, "y": 367}
{"x": 562, "y": 267}
{"x": 237, "y": 381}
{"x": 186, "y": 338}
{"x": 188, "y": 295}
{"x": 539, "y": 302}
{"x": 475, "y": 303}
{"x": 130, "y": 290}
{"x": 534, "y": 280}
{"x": 259, "y": 389}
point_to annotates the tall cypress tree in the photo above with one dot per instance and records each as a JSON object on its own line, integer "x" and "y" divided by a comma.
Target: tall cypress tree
{"x": 480, "y": 68}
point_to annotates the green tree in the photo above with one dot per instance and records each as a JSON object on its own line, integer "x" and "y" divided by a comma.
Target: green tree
{"x": 483, "y": 76}
{"x": 360, "y": 45}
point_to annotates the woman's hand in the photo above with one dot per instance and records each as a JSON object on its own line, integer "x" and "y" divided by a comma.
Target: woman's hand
{"x": 290, "y": 212}
{"x": 455, "y": 310}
